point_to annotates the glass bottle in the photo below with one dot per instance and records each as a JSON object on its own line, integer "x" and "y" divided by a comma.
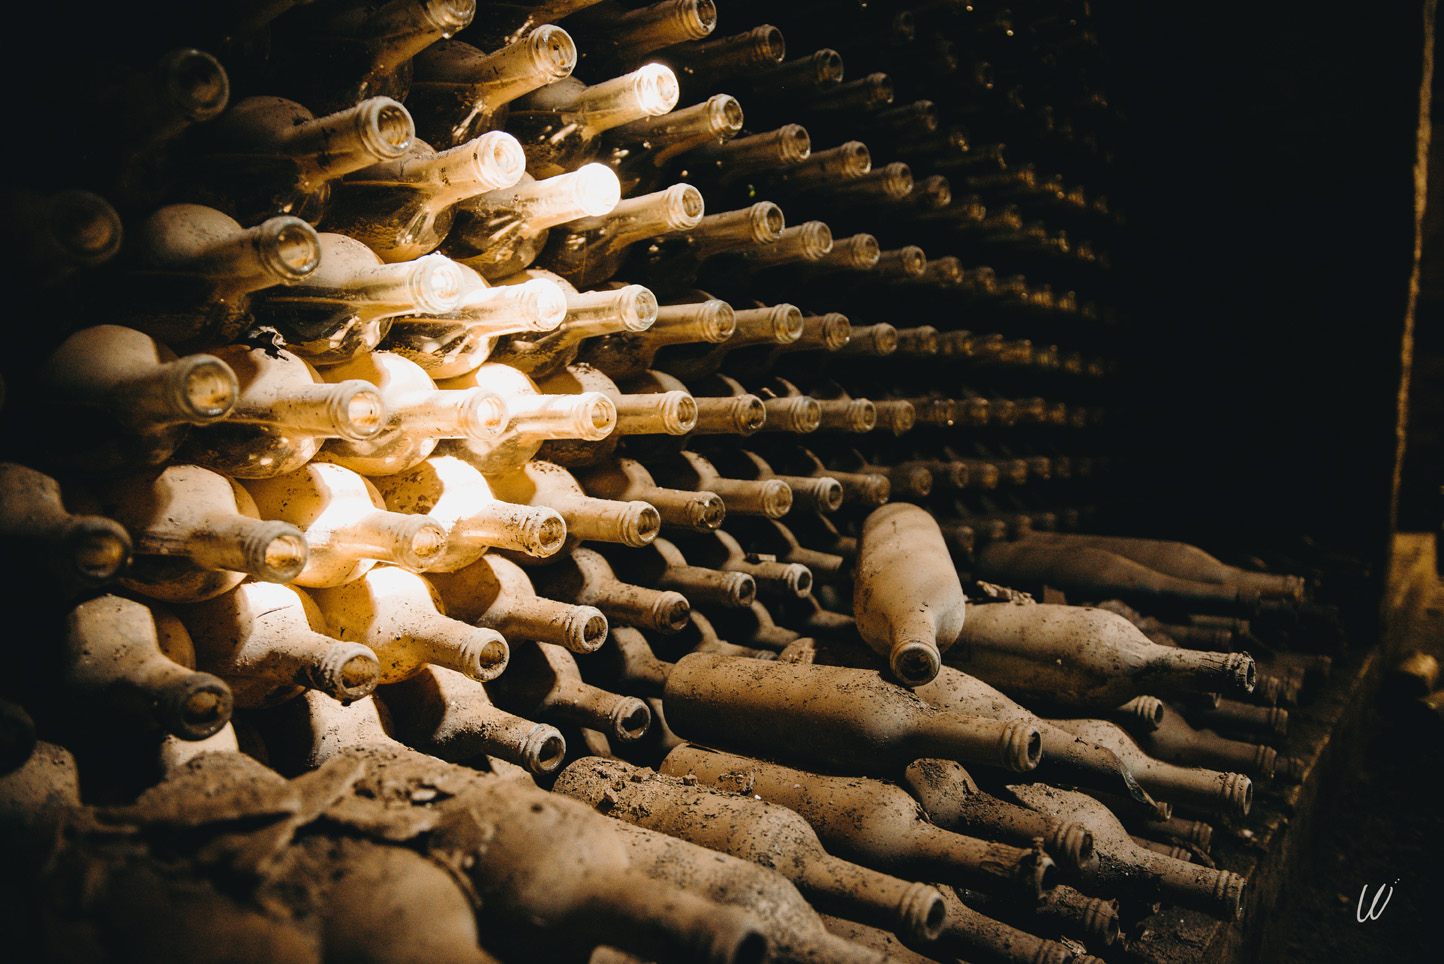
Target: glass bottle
{"x": 626, "y": 520}
{"x": 592, "y": 249}
{"x": 74, "y": 551}
{"x": 627, "y": 354}
{"x": 586, "y": 578}
{"x": 589, "y": 315}
{"x": 542, "y": 682}
{"x": 642, "y": 150}
{"x": 496, "y": 593}
{"x": 628, "y": 479}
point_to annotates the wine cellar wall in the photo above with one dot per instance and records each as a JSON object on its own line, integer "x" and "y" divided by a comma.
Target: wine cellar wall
{"x": 599, "y": 481}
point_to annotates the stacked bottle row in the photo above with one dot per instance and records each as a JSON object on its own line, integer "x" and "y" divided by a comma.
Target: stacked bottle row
{"x": 438, "y": 408}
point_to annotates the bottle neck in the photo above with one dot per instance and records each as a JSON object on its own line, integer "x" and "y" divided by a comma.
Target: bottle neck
{"x": 266, "y": 550}
{"x": 711, "y": 322}
{"x": 194, "y": 390}
{"x": 282, "y": 250}
{"x": 645, "y": 92}
{"x": 793, "y": 413}
{"x": 535, "y": 531}
{"x": 629, "y": 523}
{"x": 757, "y": 226}
{"x": 545, "y": 55}
{"x": 430, "y": 285}
{"x": 860, "y": 252}
{"x": 537, "y": 305}
{"x": 807, "y": 242}
{"x": 638, "y": 32}
{"x": 828, "y": 168}
{"x": 401, "y": 29}
{"x": 758, "y": 49}
{"x": 325, "y": 148}
{"x": 291, "y": 652}
{"x": 678, "y": 208}
{"x": 590, "y": 191}
{"x": 664, "y": 137}
{"x": 352, "y": 410}
{"x": 668, "y": 413}
{"x": 408, "y": 540}
{"x": 490, "y": 162}
{"x": 737, "y": 415}
{"x": 474, "y": 413}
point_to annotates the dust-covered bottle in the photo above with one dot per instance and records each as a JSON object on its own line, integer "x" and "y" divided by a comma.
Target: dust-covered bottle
{"x": 72, "y": 550}
{"x": 626, "y": 518}
{"x": 497, "y": 593}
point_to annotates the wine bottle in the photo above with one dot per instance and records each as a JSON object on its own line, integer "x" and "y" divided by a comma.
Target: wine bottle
{"x": 123, "y": 400}
{"x": 1174, "y": 741}
{"x": 591, "y": 250}
{"x": 282, "y": 415}
{"x": 197, "y": 534}
{"x": 720, "y": 550}
{"x": 810, "y": 493}
{"x": 630, "y": 354}
{"x": 495, "y": 593}
{"x": 621, "y": 37}
{"x": 907, "y": 597}
{"x": 73, "y": 551}
{"x": 666, "y": 413}
{"x": 542, "y": 682}
{"x": 778, "y": 539}
{"x": 64, "y": 233}
{"x": 630, "y": 522}
{"x": 270, "y": 642}
{"x": 856, "y": 252}
{"x": 405, "y": 208}
{"x": 560, "y": 125}
{"x": 502, "y": 232}
{"x": 449, "y": 715}
{"x": 459, "y": 499}
{"x": 724, "y": 407}
{"x": 769, "y": 497}
{"x": 802, "y": 243}
{"x": 346, "y": 524}
{"x": 663, "y": 565}
{"x": 192, "y": 270}
{"x": 740, "y": 56}
{"x": 459, "y": 91}
{"x": 872, "y": 822}
{"x": 530, "y": 418}
{"x": 502, "y": 22}
{"x": 587, "y": 578}
{"x": 345, "y": 307}
{"x": 418, "y": 416}
{"x": 1087, "y": 571}
{"x": 779, "y": 324}
{"x": 268, "y": 155}
{"x": 876, "y": 341}
{"x": 626, "y": 479}
{"x": 1085, "y": 657}
{"x": 111, "y": 657}
{"x": 398, "y": 615}
{"x": 452, "y": 345}
{"x": 642, "y": 150}
{"x": 732, "y": 160}
{"x": 756, "y": 830}
{"x": 589, "y": 314}
{"x": 674, "y": 262}
{"x": 760, "y": 706}
{"x": 1125, "y": 867}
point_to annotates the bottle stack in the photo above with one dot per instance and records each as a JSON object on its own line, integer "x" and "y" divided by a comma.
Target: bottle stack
{"x": 564, "y": 439}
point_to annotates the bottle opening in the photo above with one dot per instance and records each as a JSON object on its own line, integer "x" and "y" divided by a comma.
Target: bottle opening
{"x": 449, "y": 16}
{"x": 786, "y": 324}
{"x": 828, "y": 494}
{"x": 554, "y": 53}
{"x": 770, "y": 44}
{"x": 290, "y": 248}
{"x": 595, "y": 190}
{"x": 631, "y": 720}
{"x": 707, "y": 512}
{"x": 203, "y": 710}
{"x": 638, "y": 307}
{"x": 861, "y": 415}
{"x": 816, "y": 240}
{"x": 641, "y": 524}
{"x": 685, "y": 206}
{"x": 436, "y": 284}
{"x": 827, "y": 64}
{"x": 947, "y": 270}
{"x": 836, "y": 328}
{"x": 543, "y": 304}
{"x": 282, "y": 558}
{"x": 358, "y": 413}
{"x": 500, "y": 160}
{"x": 656, "y": 89}
{"x": 912, "y": 260}
{"x": 898, "y": 179}
{"x": 767, "y": 222}
{"x": 485, "y": 659}
{"x": 794, "y": 143}
{"x": 547, "y": 535}
{"x": 671, "y": 612}
{"x": 864, "y": 251}
{"x": 589, "y": 632}
{"x": 100, "y": 552}
{"x": 424, "y": 546}
{"x": 698, "y": 18}
{"x": 724, "y": 114}
{"x": 357, "y": 676}
{"x": 856, "y": 159}
{"x": 549, "y": 754}
{"x": 85, "y": 226}
{"x": 798, "y": 579}
{"x": 384, "y": 128}
{"x": 777, "y": 495}
{"x": 741, "y": 590}
{"x": 879, "y": 89}
{"x": 208, "y": 388}
{"x": 679, "y": 413}
{"x": 196, "y": 84}
{"x": 916, "y": 662}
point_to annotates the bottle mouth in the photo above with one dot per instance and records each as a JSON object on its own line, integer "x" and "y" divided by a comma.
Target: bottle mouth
{"x": 1022, "y": 747}
{"x": 915, "y": 662}
{"x": 741, "y": 590}
{"x": 917, "y": 481}
{"x": 766, "y": 222}
{"x": 695, "y": 18}
{"x": 543, "y": 533}
{"x": 946, "y": 271}
{"x": 356, "y": 410}
{"x": 196, "y": 84}
{"x": 897, "y": 417}
{"x": 593, "y": 416}
{"x": 1243, "y": 671}
{"x": 724, "y": 114}
{"x": 826, "y": 494}
{"x": 484, "y": 655}
{"x": 204, "y": 388}
{"x": 497, "y": 161}
{"x": 484, "y": 416}
{"x": 863, "y": 252}
{"x": 718, "y": 321}
{"x": 275, "y": 552}
{"x": 776, "y": 497}
{"x": 640, "y": 524}
{"x": 797, "y": 578}
{"x": 897, "y": 180}
{"x": 544, "y": 749}
{"x": 595, "y": 190}
{"x": 800, "y": 414}
{"x": 856, "y": 160}
{"x": 385, "y": 128}
{"x": 1074, "y": 844}
{"x": 924, "y": 912}
{"x": 874, "y": 490}
{"x": 636, "y": 307}
{"x": 786, "y": 323}
{"x": 655, "y": 88}
{"x": 435, "y": 284}
{"x": 542, "y": 304}
{"x": 1238, "y": 794}
{"x": 553, "y": 52}
{"x": 925, "y": 114}
{"x": 683, "y": 207}
{"x": 679, "y": 412}
{"x": 448, "y": 16}
{"x": 935, "y": 193}
{"x": 816, "y": 240}
{"x": 794, "y": 144}
{"x": 911, "y": 261}
{"x": 289, "y": 248}
{"x": 670, "y": 612}
{"x": 884, "y": 338}
{"x": 198, "y": 708}
{"x": 861, "y": 415}
{"x": 96, "y": 549}
{"x": 706, "y": 511}
{"x": 348, "y": 672}
{"x": 630, "y": 720}
{"x": 768, "y": 44}
{"x": 585, "y": 629}
{"x": 420, "y": 542}
{"x": 85, "y": 226}
{"x": 749, "y": 414}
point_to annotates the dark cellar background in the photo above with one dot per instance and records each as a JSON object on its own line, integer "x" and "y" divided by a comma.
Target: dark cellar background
{"x": 1265, "y": 166}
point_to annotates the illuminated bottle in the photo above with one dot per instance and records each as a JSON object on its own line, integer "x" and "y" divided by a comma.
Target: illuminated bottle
{"x": 346, "y": 524}
{"x": 344, "y": 307}
{"x": 588, "y": 315}
{"x": 459, "y": 91}
{"x": 197, "y": 534}
{"x": 418, "y": 416}
{"x": 530, "y": 418}
{"x": 284, "y": 412}
{"x": 268, "y": 155}
{"x": 399, "y": 616}
{"x": 779, "y": 324}
{"x": 73, "y": 551}
{"x": 665, "y": 413}
{"x": 270, "y": 642}
{"x": 121, "y": 399}
{"x": 627, "y": 520}
{"x": 496, "y": 593}
{"x": 405, "y": 208}
{"x": 620, "y": 37}
{"x": 560, "y": 125}
{"x": 111, "y": 656}
{"x": 641, "y": 151}
{"x": 769, "y": 497}
{"x": 629, "y": 354}
{"x": 591, "y": 250}
{"x": 502, "y": 232}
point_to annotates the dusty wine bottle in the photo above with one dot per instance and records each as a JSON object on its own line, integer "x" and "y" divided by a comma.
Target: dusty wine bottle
{"x": 496, "y": 593}
{"x": 74, "y": 551}
{"x": 586, "y": 577}
{"x": 591, "y": 250}
{"x": 741, "y": 157}
{"x": 628, "y": 480}
{"x": 542, "y": 682}
{"x": 631, "y": 354}
{"x": 642, "y": 150}
{"x": 589, "y": 314}
{"x": 767, "y": 497}
{"x": 628, "y": 521}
